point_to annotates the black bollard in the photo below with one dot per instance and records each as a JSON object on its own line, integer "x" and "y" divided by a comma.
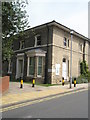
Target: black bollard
{"x": 21, "y": 83}
{"x": 33, "y": 82}
{"x": 74, "y": 82}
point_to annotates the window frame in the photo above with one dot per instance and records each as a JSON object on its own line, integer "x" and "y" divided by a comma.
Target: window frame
{"x": 65, "y": 42}
{"x": 80, "y": 47}
{"x": 40, "y": 66}
{"x": 22, "y": 43}
{"x": 36, "y": 40}
{"x": 68, "y": 42}
{"x": 28, "y": 66}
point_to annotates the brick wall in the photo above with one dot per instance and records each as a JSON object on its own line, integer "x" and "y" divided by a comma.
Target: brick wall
{"x": 4, "y": 84}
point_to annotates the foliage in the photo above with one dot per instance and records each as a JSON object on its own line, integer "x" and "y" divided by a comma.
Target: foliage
{"x": 14, "y": 21}
{"x": 83, "y": 68}
{"x": 82, "y": 78}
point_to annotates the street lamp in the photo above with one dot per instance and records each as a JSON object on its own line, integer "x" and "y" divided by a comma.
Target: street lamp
{"x": 71, "y": 33}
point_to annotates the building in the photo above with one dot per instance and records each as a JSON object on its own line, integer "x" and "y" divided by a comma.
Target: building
{"x": 89, "y": 26}
{"x": 44, "y": 53}
{"x": 89, "y": 19}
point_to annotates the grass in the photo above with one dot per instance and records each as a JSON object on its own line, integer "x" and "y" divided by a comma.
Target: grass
{"x": 45, "y": 85}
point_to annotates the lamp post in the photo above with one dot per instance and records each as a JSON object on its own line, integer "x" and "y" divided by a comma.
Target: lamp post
{"x": 71, "y": 33}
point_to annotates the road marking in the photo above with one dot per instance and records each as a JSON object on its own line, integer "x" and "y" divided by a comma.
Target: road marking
{"x": 37, "y": 101}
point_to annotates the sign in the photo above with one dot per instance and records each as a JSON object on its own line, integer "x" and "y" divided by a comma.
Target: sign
{"x": 57, "y": 69}
{"x": 51, "y": 70}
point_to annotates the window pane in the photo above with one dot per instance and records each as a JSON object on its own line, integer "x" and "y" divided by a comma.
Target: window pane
{"x": 65, "y": 41}
{"x": 31, "y": 66}
{"x": 68, "y": 43}
{"x": 38, "y": 40}
{"x": 39, "y": 70}
{"x": 39, "y": 65}
{"x": 40, "y": 61}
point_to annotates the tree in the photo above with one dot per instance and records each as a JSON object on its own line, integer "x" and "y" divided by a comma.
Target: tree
{"x": 14, "y": 21}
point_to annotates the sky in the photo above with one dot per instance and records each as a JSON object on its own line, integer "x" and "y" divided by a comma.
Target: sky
{"x": 71, "y": 13}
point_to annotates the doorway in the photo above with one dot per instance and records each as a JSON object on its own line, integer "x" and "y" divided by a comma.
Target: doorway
{"x": 64, "y": 69}
{"x": 20, "y": 68}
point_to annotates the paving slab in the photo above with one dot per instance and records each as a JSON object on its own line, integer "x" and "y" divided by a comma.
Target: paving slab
{"x": 15, "y": 94}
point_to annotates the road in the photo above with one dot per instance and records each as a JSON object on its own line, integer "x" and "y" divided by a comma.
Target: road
{"x": 68, "y": 106}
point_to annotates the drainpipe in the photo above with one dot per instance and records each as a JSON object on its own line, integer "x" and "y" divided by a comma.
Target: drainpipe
{"x": 46, "y": 60}
{"x": 84, "y": 51}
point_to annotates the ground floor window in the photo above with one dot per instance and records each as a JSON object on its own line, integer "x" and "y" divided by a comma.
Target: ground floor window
{"x": 39, "y": 66}
{"x": 31, "y": 65}
{"x": 35, "y": 66}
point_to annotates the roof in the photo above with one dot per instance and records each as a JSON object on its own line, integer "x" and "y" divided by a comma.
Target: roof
{"x": 60, "y": 26}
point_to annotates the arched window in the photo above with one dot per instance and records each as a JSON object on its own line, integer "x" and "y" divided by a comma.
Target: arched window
{"x": 64, "y": 59}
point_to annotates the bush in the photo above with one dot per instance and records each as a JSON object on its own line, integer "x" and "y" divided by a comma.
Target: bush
{"x": 80, "y": 79}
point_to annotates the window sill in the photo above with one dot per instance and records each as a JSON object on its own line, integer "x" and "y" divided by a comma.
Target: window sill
{"x": 30, "y": 75}
{"x": 39, "y": 76}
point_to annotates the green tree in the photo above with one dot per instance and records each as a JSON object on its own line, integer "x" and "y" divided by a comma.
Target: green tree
{"x": 14, "y": 21}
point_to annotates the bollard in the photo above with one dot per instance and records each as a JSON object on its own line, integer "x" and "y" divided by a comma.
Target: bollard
{"x": 33, "y": 82}
{"x": 63, "y": 81}
{"x": 74, "y": 82}
{"x": 21, "y": 85}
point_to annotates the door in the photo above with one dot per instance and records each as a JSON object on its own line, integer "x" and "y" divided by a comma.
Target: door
{"x": 64, "y": 69}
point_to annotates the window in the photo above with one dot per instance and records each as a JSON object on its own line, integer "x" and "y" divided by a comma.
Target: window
{"x": 80, "y": 47}
{"x": 22, "y": 44}
{"x": 40, "y": 66}
{"x": 37, "y": 40}
{"x": 31, "y": 66}
{"x": 65, "y": 41}
{"x": 68, "y": 67}
{"x": 68, "y": 42}
{"x": 64, "y": 59}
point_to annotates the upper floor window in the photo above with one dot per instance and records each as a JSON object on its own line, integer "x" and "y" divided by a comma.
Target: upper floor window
{"x": 65, "y": 41}
{"x": 37, "y": 40}
{"x": 80, "y": 45}
{"x": 68, "y": 42}
{"x": 22, "y": 44}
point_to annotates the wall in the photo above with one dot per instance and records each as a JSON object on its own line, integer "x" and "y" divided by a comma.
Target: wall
{"x": 59, "y": 52}
{"x": 4, "y": 86}
{"x": 46, "y": 36}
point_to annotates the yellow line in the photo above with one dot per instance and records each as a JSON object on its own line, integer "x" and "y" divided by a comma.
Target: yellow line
{"x": 37, "y": 101}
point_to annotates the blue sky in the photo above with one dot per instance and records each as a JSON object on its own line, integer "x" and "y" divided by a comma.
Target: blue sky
{"x": 71, "y": 13}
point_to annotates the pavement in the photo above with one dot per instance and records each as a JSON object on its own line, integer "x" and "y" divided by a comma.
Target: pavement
{"x": 16, "y": 95}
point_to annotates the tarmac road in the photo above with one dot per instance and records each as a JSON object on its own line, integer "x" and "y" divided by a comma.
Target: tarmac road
{"x": 68, "y": 106}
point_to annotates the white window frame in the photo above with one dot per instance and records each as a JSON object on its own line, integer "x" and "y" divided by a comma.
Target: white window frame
{"x": 68, "y": 43}
{"x": 37, "y": 67}
{"x": 65, "y": 42}
{"x": 21, "y": 43}
{"x": 29, "y": 66}
{"x": 36, "y": 40}
{"x": 80, "y": 47}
